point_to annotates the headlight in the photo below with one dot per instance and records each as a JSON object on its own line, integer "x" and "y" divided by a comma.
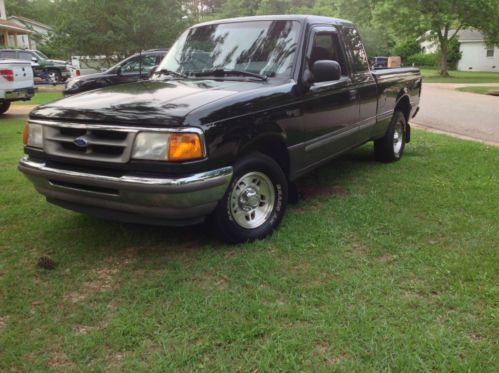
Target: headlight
{"x": 167, "y": 146}
{"x": 33, "y": 135}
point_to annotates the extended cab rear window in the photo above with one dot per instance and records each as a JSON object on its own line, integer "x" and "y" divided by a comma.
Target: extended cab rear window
{"x": 355, "y": 48}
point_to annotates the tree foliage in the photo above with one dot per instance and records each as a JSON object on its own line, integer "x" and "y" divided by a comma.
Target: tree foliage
{"x": 117, "y": 28}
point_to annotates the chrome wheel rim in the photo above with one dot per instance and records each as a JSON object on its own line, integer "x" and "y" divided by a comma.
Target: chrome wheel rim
{"x": 53, "y": 76}
{"x": 252, "y": 200}
{"x": 398, "y": 138}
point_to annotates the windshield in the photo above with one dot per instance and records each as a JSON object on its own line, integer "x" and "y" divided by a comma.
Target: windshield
{"x": 259, "y": 47}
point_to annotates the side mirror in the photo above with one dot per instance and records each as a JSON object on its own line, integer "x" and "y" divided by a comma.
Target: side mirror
{"x": 118, "y": 71}
{"x": 34, "y": 59}
{"x": 326, "y": 71}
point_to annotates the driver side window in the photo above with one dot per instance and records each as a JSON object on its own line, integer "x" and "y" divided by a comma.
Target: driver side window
{"x": 131, "y": 67}
{"x": 134, "y": 66}
{"x": 326, "y": 46}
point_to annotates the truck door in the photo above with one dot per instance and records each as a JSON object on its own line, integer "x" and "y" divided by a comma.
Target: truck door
{"x": 363, "y": 80}
{"x": 330, "y": 109}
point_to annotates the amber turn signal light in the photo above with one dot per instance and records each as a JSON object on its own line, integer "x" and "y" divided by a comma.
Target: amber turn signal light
{"x": 25, "y": 133}
{"x": 185, "y": 146}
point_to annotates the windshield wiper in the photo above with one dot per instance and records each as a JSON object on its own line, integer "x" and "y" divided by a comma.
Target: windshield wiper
{"x": 223, "y": 72}
{"x": 168, "y": 72}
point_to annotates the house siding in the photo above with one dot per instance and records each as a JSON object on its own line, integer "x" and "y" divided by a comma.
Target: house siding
{"x": 475, "y": 58}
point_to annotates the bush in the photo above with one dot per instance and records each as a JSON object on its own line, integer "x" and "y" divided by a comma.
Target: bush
{"x": 424, "y": 60}
{"x": 454, "y": 54}
{"x": 406, "y": 49}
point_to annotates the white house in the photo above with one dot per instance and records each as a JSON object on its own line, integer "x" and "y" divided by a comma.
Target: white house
{"x": 476, "y": 54}
{"x": 41, "y": 32}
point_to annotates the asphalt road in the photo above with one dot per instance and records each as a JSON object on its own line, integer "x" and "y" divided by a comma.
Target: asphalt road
{"x": 467, "y": 114}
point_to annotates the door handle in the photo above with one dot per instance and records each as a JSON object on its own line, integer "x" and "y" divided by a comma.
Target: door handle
{"x": 352, "y": 93}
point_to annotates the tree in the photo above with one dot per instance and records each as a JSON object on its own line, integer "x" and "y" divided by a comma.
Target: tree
{"x": 116, "y": 28}
{"x": 39, "y": 10}
{"x": 443, "y": 18}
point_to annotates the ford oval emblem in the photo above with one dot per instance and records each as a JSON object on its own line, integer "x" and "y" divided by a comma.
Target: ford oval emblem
{"x": 81, "y": 142}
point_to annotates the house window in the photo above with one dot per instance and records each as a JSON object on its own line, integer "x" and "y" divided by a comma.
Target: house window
{"x": 490, "y": 52}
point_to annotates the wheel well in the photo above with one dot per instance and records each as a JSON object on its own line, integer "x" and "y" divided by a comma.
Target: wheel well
{"x": 273, "y": 148}
{"x": 405, "y": 107}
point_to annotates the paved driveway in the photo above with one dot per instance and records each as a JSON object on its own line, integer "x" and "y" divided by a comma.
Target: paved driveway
{"x": 467, "y": 114}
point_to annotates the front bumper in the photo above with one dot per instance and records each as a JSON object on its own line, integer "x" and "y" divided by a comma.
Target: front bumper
{"x": 131, "y": 198}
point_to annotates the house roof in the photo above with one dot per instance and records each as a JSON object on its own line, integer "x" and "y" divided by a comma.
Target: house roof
{"x": 468, "y": 35}
{"x": 11, "y": 26}
{"x": 30, "y": 21}
{"x": 464, "y": 36}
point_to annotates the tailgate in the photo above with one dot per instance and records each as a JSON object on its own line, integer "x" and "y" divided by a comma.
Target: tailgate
{"x": 15, "y": 74}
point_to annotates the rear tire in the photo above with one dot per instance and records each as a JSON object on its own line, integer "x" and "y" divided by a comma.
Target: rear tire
{"x": 391, "y": 146}
{"x": 254, "y": 204}
{"x": 4, "y": 106}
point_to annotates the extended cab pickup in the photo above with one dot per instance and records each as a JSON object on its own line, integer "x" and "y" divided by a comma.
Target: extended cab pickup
{"x": 16, "y": 83}
{"x": 237, "y": 110}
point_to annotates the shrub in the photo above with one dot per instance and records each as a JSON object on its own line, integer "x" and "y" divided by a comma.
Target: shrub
{"x": 424, "y": 60}
{"x": 406, "y": 49}
{"x": 454, "y": 54}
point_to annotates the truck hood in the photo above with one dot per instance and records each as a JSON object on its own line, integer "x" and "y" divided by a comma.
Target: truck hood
{"x": 157, "y": 103}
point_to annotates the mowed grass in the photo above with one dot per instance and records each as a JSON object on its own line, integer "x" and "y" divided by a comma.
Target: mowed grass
{"x": 41, "y": 98}
{"x": 433, "y": 76}
{"x": 384, "y": 267}
{"x": 480, "y": 90}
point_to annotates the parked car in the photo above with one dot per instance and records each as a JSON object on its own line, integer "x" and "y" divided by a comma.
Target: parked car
{"x": 129, "y": 70}
{"x": 379, "y": 62}
{"x": 44, "y": 67}
{"x": 16, "y": 82}
{"x": 224, "y": 127}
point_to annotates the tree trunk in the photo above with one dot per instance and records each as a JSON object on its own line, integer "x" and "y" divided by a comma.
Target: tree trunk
{"x": 443, "y": 38}
{"x": 444, "y": 66}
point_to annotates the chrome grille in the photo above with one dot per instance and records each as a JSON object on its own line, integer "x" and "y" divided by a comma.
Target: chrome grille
{"x": 104, "y": 142}
{"x": 105, "y": 145}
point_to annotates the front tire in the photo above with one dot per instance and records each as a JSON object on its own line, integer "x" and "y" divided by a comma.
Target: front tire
{"x": 391, "y": 146}
{"x": 4, "y": 106}
{"x": 254, "y": 204}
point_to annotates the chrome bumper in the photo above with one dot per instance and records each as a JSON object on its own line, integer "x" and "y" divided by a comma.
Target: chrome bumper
{"x": 132, "y": 198}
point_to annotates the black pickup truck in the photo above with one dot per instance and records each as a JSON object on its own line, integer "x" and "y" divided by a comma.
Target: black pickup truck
{"x": 237, "y": 110}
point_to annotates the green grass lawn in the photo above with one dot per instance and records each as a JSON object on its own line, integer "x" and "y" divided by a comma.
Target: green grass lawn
{"x": 41, "y": 98}
{"x": 384, "y": 267}
{"x": 481, "y": 90}
{"x": 432, "y": 76}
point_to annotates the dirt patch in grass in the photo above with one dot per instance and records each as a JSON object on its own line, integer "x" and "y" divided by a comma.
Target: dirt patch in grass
{"x": 359, "y": 248}
{"x": 323, "y": 350}
{"x": 58, "y": 360}
{"x": 3, "y": 321}
{"x": 307, "y": 192}
{"x": 211, "y": 281}
{"x": 386, "y": 258}
{"x": 103, "y": 279}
